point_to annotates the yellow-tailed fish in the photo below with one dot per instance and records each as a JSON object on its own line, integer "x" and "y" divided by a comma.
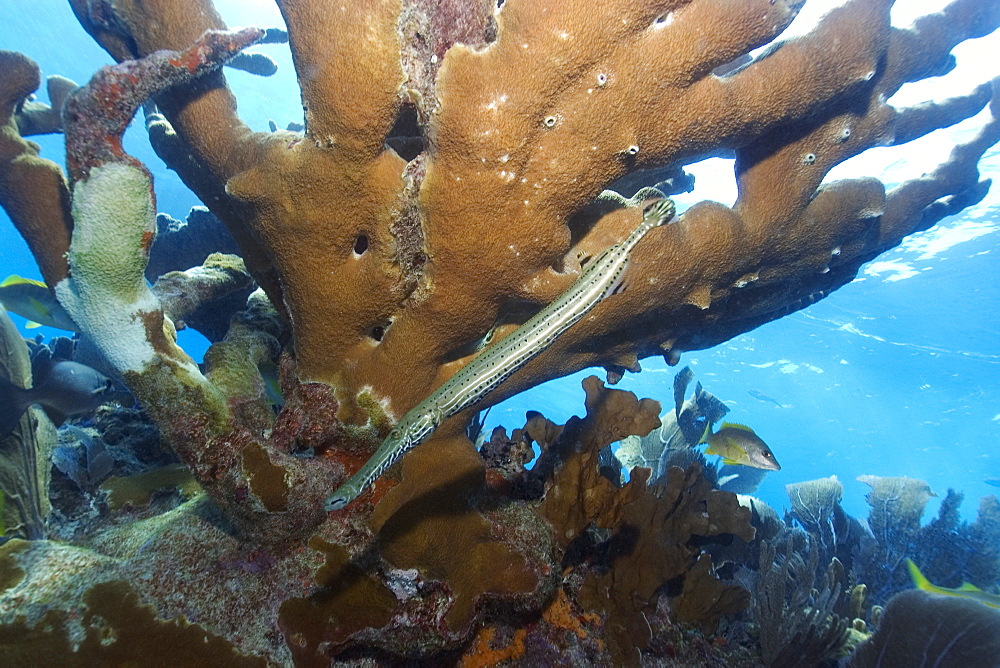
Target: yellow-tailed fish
{"x": 33, "y": 300}
{"x": 602, "y": 277}
{"x": 969, "y": 591}
{"x": 738, "y": 444}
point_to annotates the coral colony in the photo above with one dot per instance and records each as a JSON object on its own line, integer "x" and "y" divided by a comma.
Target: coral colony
{"x": 452, "y": 180}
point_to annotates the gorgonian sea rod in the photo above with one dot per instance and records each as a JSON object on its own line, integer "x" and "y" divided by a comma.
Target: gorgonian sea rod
{"x": 445, "y": 188}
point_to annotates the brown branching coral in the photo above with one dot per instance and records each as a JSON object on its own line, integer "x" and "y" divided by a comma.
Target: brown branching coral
{"x": 33, "y": 191}
{"x": 647, "y": 536}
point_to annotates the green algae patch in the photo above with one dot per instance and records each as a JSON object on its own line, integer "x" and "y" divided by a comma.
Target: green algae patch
{"x": 119, "y": 630}
{"x": 11, "y": 572}
{"x": 136, "y": 490}
{"x": 350, "y": 600}
{"x": 267, "y": 480}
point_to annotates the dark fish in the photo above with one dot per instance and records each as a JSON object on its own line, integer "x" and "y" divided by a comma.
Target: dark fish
{"x": 757, "y": 394}
{"x": 66, "y": 390}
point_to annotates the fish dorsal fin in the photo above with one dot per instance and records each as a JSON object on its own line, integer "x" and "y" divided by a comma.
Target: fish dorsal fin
{"x": 968, "y": 586}
{"x": 14, "y": 279}
{"x": 735, "y": 425}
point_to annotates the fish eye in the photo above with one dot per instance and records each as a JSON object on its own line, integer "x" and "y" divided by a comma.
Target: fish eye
{"x": 768, "y": 454}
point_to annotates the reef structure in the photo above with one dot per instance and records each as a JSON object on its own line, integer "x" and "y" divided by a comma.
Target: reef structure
{"x": 390, "y": 269}
{"x": 446, "y": 188}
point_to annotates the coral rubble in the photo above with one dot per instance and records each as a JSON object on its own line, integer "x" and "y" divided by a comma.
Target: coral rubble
{"x": 446, "y": 186}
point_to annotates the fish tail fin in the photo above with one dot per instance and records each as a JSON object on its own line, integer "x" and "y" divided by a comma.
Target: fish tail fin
{"x": 12, "y": 406}
{"x": 705, "y": 434}
{"x": 919, "y": 581}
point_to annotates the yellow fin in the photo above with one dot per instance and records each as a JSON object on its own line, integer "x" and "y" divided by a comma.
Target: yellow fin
{"x": 735, "y": 425}
{"x": 14, "y": 279}
{"x": 731, "y": 462}
{"x": 919, "y": 581}
{"x": 968, "y": 586}
{"x": 31, "y": 324}
{"x": 705, "y": 434}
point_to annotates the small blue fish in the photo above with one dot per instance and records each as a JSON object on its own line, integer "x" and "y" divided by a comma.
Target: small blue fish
{"x": 993, "y": 481}
{"x": 66, "y": 390}
{"x": 33, "y": 300}
{"x": 760, "y": 396}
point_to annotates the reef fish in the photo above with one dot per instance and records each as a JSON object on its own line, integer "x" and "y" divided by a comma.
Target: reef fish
{"x": 601, "y": 278}
{"x": 967, "y": 590}
{"x": 33, "y": 300}
{"x": 739, "y": 445}
{"x": 67, "y": 389}
{"x": 993, "y": 481}
{"x": 760, "y": 396}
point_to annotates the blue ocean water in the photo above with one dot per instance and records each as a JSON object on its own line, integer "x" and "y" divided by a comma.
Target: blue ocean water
{"x": 896, "y": 374}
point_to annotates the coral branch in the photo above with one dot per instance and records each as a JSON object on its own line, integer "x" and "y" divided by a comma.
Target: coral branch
{"x": 33, "y": 190}
{"x": 97, "y": 114}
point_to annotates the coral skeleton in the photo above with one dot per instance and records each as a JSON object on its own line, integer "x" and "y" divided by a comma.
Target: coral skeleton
{"x": 447, "y": 187}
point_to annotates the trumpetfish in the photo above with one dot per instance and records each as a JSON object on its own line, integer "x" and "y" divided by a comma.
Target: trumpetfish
{"x": 602, "y": 278}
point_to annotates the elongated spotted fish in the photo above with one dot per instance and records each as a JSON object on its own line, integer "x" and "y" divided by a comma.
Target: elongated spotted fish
{"x": 496, "y": 364}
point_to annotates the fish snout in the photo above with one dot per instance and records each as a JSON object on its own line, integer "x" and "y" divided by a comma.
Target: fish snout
{"x": 765, "y": 460}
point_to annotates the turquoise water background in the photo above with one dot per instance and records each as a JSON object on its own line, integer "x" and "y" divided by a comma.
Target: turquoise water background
{"x": 896, "y": 374}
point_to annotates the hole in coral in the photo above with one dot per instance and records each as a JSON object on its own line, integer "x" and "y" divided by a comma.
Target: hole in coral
{"x": 664, "y": 19}
{"x": 406, "y": 137}
{"x": 361, "y": 244}
{"x": 377, "y": 332}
